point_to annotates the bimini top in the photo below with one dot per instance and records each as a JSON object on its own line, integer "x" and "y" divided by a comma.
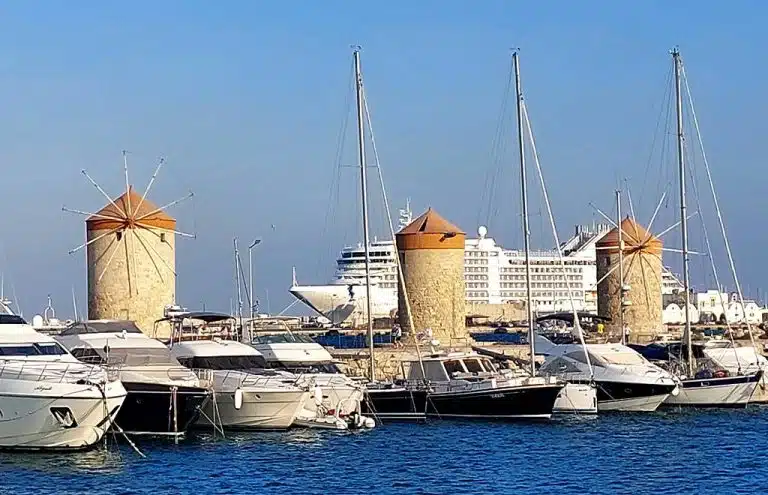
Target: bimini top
{"x": 101, "y": 326}
{"x": 205, "y": 316}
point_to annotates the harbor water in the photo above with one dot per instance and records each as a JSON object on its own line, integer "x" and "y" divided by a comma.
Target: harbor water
{"x": 722, "y": 451}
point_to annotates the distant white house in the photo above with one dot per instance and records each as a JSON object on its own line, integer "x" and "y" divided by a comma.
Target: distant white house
{"x": 715, "y": 305}
{"x": 674, "y": 314}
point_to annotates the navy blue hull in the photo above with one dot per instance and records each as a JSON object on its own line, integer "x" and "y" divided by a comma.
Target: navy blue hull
{"x": 396, "y": 403}
{"x": 147, "y": 409}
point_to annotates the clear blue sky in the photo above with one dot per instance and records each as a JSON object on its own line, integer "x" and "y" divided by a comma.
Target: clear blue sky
{"x": 245, "y": 99}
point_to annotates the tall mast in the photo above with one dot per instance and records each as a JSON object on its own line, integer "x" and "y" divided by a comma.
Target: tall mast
{"x": 243, "y": 337}
{"x": 683, "y": 208}
{"x": 621, "y": 268}
{"x": 524, "y": 196}
{"x": 364, "y": 196}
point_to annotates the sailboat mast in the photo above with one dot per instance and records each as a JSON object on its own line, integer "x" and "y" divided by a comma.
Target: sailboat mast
{"x": 364, "y": 196}
{"x": 243, "y": 337}
{"x": 524, "y": 197}
{"x": 683, "y": 209}
{"x": 621, "y": 269}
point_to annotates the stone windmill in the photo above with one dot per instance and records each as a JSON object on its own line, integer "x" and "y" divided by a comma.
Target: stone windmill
{"x": 130, "y": 251}
{"x": 629, "y": 276}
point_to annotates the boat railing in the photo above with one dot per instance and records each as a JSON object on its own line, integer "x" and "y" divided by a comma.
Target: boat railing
{"x": 242, "y": 377}
{"x": 51, "y": 371}
{"x": 172, "y": 371}
{"x": 205, "y": 377}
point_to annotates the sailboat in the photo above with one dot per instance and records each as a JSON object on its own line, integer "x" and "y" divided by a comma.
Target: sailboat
{"x": 699, "y": 387}
{"x": 574, "y": 397}
{"x": 452, "y": 384}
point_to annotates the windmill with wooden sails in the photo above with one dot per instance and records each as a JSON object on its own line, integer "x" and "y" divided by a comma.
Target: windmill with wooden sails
{"x": 131, "y": 254}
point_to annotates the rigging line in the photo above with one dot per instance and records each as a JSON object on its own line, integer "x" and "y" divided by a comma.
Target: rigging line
{"x": 400, "y": 276}
{"x": 713, "y": 266}
{"x": 561, "y": 259}
{"x": 716, "y": 203}
{"x": 333, "y": 190}
{"x": 499, "y": 172}
{"x": 664, "y": 105}
{"x": 492, "y": 172}
{"x": 497, "y": 142}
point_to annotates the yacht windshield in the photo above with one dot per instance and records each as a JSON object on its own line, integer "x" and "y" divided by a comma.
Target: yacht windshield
{"x": 473, "y": 365}
{"x": 623, "y": 358}
{"x": 37, "y": 349}
{"x": 282, "y": 338}
{"x": 128, "y": 356}
{"x": 11, "y": 319}
{"x": 306, "y": 367}
{"x": 224, "y": 362}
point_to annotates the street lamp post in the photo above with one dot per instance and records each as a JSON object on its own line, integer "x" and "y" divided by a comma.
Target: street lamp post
{"x": 250, "y": 275}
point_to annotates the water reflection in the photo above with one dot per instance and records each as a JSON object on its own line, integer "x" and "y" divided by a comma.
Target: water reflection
{"x": 300, "y": 436}
{"x": 102, "y": 460}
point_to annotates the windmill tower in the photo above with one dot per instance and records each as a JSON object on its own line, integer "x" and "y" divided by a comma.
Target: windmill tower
{"x": 130, "y": 251}
{"x": 630, "y": 293}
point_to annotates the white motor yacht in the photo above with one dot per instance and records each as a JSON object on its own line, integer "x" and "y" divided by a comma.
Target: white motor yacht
{"x": 164, "y": 398}
{"x": 48, "y": 399}
{"x": 625, "y": 380}
{"x": 246, "y": 395}
{"x": 721, "y": 375}
{"x": 300, "y": 355}
{"x": 741, "y": 360}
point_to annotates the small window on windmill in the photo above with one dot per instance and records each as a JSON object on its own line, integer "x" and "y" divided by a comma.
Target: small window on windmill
{"x": 607, "y": 262}
{"x": 119, "y": 235}
{"x": 162, "y": 236}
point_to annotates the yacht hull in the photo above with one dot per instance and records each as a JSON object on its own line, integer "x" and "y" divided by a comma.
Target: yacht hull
{"x": 396, "y": 404}
{"x": 148, "y": 409}
{"x": 520, "y": 402}
{"x": 260, "y": 409}
{"x": 733, "y": 391}
{"x": 576, "y": 398}
{"x": 56, "y": 416}
{"x": 632, "y": 396}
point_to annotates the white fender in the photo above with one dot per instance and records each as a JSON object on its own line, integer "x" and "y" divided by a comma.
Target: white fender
{"x": 238, "y": 398}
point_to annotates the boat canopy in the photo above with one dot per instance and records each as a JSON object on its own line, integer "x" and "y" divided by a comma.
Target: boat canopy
{"x": 205, "y": 316}
{"x": 101, "y": 326}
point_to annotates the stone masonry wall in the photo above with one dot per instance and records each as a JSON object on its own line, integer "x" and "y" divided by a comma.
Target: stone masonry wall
{"x": 643, "y": 275}
{"x": 141, "y": 297}
{"x": 434, "y": 279}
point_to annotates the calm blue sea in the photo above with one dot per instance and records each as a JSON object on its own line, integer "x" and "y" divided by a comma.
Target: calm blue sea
{"x": 675, "y": 452}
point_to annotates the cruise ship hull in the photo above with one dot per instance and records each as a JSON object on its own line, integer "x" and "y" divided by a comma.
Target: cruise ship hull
{"x": 340, "y": 303}
{"x": 56, "y": 416}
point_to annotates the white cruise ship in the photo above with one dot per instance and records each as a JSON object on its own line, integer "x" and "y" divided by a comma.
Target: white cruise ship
{"x": 492, "y": 275}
